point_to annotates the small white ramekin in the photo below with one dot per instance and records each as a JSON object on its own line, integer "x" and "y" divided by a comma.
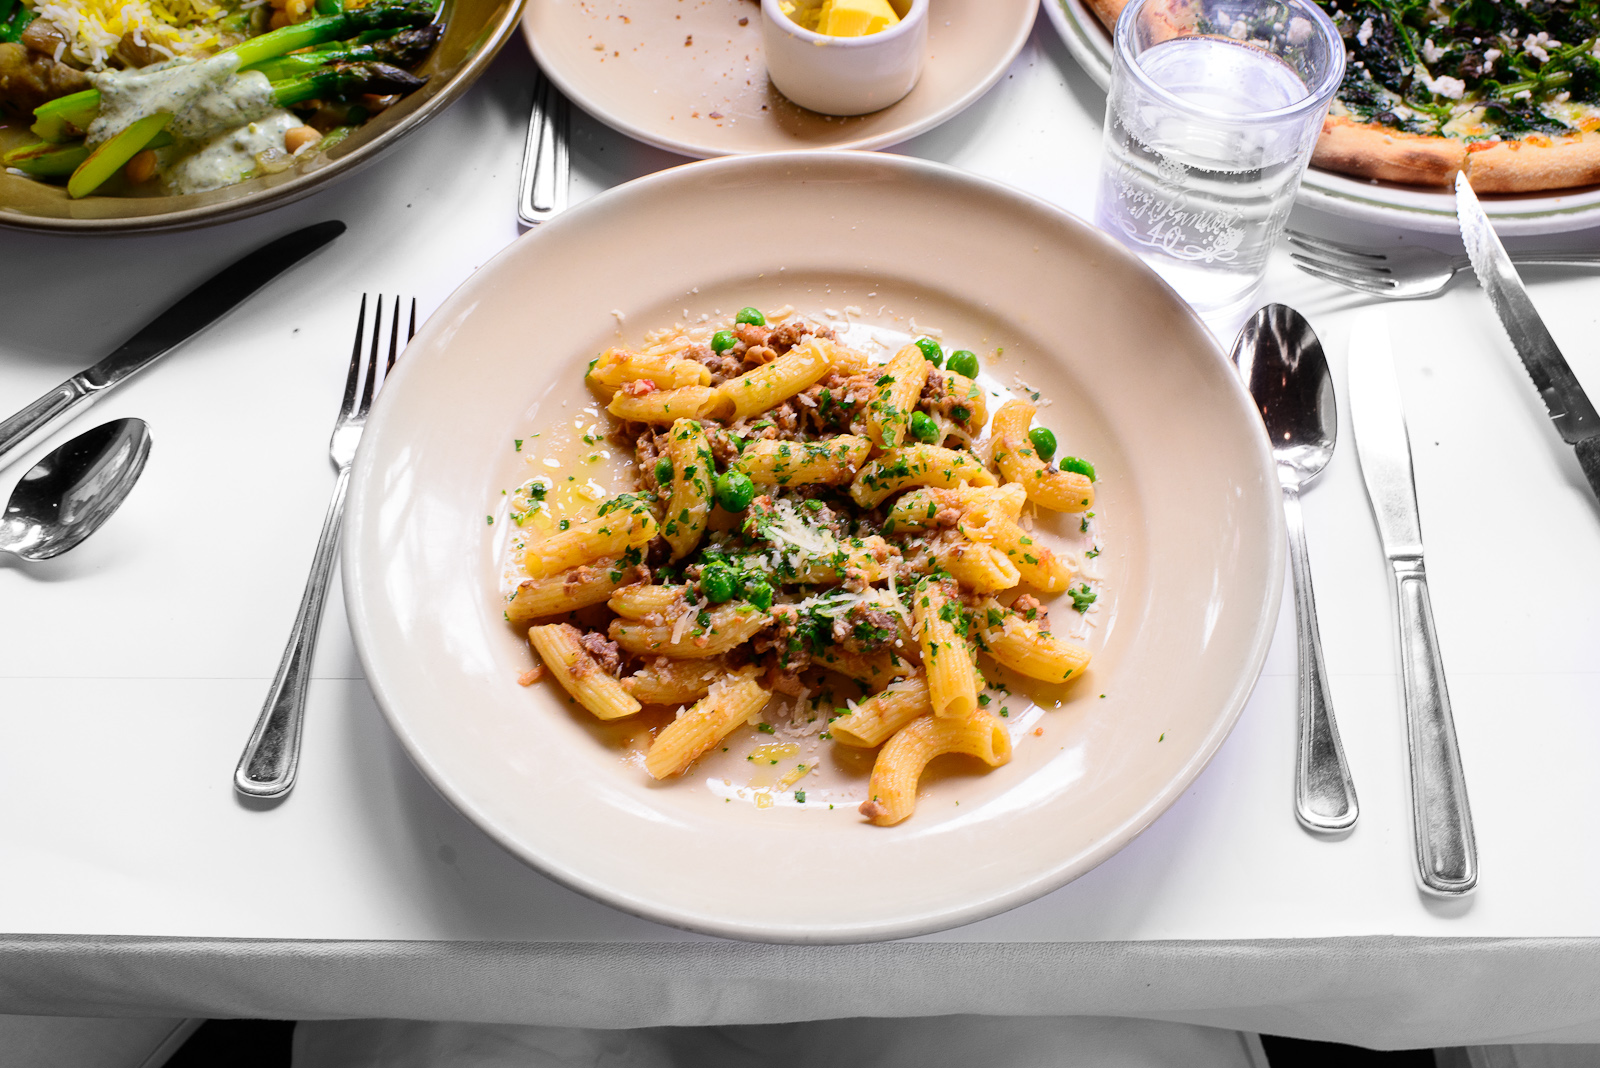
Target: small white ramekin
{"x": 845, "y": 75}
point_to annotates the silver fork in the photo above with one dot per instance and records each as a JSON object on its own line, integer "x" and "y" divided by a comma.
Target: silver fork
{"x": 546, "y": 177}
{"x": 272, "y": 756}
{"x": 1404, "y": 273}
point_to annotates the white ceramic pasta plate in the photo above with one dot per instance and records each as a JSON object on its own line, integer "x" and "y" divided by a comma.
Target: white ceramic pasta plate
{"x": 1383, "y": 203}
{"x": 1187, "y": 512}
{"x": 687, "y": 77}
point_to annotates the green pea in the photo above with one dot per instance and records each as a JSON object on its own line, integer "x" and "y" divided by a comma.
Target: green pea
{"x": 1044, "y": 442}
{"x": 931, "y": 350}
{"x": 1082, "y": 467}
{"x": 924, "y": 429}
{"x": 723, "y": 340}
{"x": 716, "y": 582}
{"x": 735, "y": 491}
{"x": 751, "y": 316}
{"x": 759, "y": 594}
{"x": 663, "y": 471}
{"x": 964, "y": 362}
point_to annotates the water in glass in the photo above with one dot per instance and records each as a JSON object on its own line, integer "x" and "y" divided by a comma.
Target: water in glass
{"x": 1203, "y": 202}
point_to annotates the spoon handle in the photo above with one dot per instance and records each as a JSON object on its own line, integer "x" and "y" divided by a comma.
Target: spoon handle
{"x": 1324, "y": 795}
{"x": 272, "y": 756}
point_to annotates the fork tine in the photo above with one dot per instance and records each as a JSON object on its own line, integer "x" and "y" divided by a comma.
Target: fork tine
{"x": 1375, "y": 275}
{"x": 412, "y": 332}
{"x": 1333, "y": 248}
{"x": 394, "y": 339}
{"x": 1378, "y": 287}
{"x": 354, "y": 378}
{"x": 371, "y": 386}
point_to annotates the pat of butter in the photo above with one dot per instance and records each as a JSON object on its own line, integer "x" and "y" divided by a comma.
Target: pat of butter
{"x": 855, "y": 18}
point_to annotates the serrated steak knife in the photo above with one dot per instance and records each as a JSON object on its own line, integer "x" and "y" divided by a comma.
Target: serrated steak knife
{"x": 1447, "y": 852}
{"x": 1575, "y": 418}
{"x": 201, "y": 307}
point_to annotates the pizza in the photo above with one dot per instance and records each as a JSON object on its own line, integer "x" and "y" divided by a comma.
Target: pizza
{"x": 1506, "y": 90}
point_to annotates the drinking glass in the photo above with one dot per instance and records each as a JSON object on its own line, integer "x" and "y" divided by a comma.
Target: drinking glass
{"x": 1214, "y": 109}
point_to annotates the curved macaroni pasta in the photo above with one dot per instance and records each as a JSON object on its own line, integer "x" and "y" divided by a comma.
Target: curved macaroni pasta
{"x": 664, "y": 681}
{"x": 615, "y": 368}
{"x": 668, "y": 405}
{"x": 872, "y": 721}
{"x": 725, "y": 628}
{"x": 892, "y": 793}
{"x": 566, "y": 591}
{"x": 1060, "y": 491}
{"x": 1035, "y": 562}
{"x": 616, "y": 528}
{"x": 916, "y": 465}
{"x": 831, "y": 462}
{"x": 1027, "y": 650}
{"x": 946, "y": 654}
{"x": 693, "y": 468}
{"x": 899, "y": 386}
{"x": 727, "y": 705}
{"x": 775, "y": 382}
{"x": 559, "y": 645}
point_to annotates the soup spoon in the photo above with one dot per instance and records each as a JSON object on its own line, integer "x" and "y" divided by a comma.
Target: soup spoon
{"x": 1281, "y": 361}
{"x": 72, "y": 492}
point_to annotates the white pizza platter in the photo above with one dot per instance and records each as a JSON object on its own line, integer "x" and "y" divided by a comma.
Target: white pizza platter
{"x": 1380, "y": 203}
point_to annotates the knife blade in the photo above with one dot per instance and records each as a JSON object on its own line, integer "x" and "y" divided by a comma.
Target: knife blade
{"x": 1574, "y": 417}
{"x": 1446, "y": 848}
{"x": 201, "y": 307}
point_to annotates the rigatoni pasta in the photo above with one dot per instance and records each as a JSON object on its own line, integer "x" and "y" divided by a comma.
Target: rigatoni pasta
{"x": 818, "y": 548}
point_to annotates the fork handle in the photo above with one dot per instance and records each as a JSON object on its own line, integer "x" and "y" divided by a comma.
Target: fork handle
{"x": 1555, "y": 259}
{"x": 1324, "y": 794}
{"x": 546, "y": 156}
{"x": 272, "y": 756}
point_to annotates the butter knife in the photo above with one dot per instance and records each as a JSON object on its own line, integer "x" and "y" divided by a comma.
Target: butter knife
{"x": 204, "y": 305}
{"x": 1447, "y": 852}
{"x": 1569, "y": 408}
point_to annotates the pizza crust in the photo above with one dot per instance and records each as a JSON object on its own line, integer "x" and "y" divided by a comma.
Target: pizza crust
{"x": 1107, "y": 11}
{"x": 1528, "y": 167}
{"x": 1372, "y": 151}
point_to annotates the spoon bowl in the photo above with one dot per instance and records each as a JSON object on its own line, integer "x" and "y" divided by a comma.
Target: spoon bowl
{"x": 1283, "y": 366}
{"x": 71, "y": 493}
{"x": 1282, "y": 363}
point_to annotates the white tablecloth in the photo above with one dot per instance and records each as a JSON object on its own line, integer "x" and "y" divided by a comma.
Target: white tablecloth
{"x": 132, "y": 669}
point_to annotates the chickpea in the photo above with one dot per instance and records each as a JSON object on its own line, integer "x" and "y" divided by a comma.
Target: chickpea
{"x": 298, "y": 137}
{"x": 141, "y": 168}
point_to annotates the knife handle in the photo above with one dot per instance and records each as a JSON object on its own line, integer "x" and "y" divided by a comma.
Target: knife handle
{"x": 1447, "y": 851}
{"x": 42, "y": 416}
{"x": 1589, "y": 459}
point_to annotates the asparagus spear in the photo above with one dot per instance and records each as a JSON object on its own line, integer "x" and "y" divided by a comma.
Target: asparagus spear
{"x": 46, "y": 160}
{"x": 67, "y": 117}
{"x": 334, "y": 80}
{"x": 108, "y": 158}
{"x": 404, "y": 49}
